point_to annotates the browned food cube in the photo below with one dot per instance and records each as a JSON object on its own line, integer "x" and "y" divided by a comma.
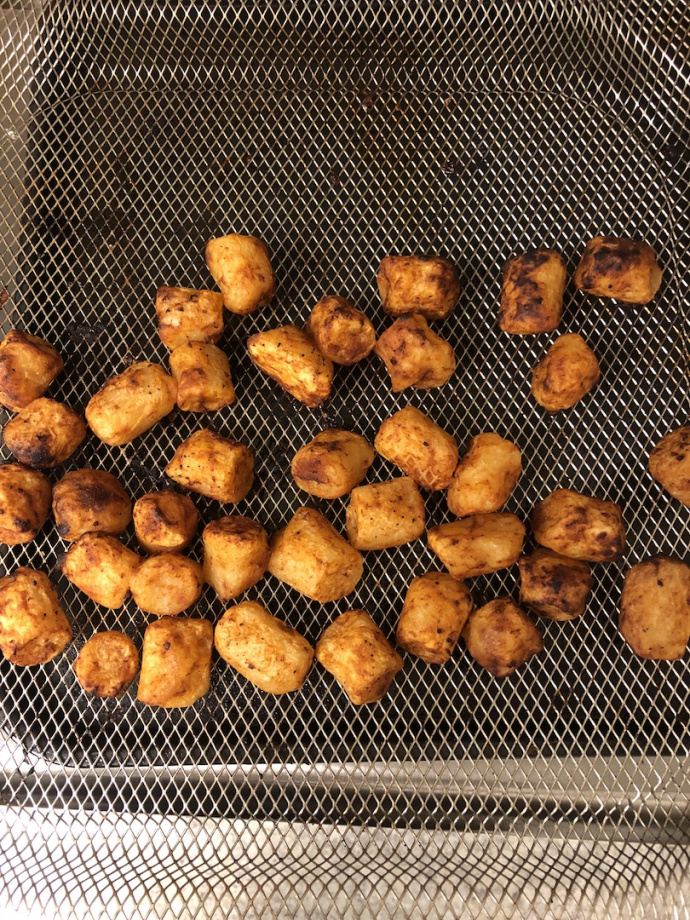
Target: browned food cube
{"x": 28, "y": 366}
{"x": 433, "y": 616}
{"x": 185, "y": 315}
{"x": 532, "y": 292}
{"x": 478, "y": 544}
{"x": 485, "y": 476}
{"x": 624, "y": 269}
{"x": 44, "y": 434}
{"x": 213, "y": 466}
{"x": 332, "y": 463}
{"x": 166, "y": 584}
{"x": 655, "y": 608}
{"x": 566, "y": 373}
{"x": 428, "y": 285}
{"x": 341, "y": 332}
{"x": 107, "y": 664}
{"x": 101, "y": 567}
{"x": 289, "y": 356}
{"x": 669, "y": 463}
{"x": 554, "y": 586}
{"x": 385, "y": 514}
{"x": 33, "y": 626}
{"x": 241, "y": 267}
{"x": 175, "y": 662}
{"x": 130, "y": 403}
{"x": 236, "y": 555}
{"x": 579, "y": 526}
{"x": 203, "y": 378}
{"x": 165, "y": 521}
{"x": 501, "y": 637}
{"x": 90, "y": 501}
{"x": 24, "y": 503}
{"x": 414, "y": 355}
{"x": 419, "y": 447}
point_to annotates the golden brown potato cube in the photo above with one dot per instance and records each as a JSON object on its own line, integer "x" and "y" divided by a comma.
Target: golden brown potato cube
{"x": 414, "y": 355}
{"x": 175, "y": 662}
{"x": 241, "y": 267}
{"x": 566, "y": 373}
{"x": 485, "y": 476}
{"x": 288, "y": 355}
{"x": 355, "y": 651}
{"x": 532, "y": 292}
{"x": 501, "y": 637}
{"x": 28, "y": 366}
{"x": 428, "y": 285}
{"x": 479, "y": 544}
{"x": 165, "y": 522}
{"x": 107, "y": 664}
{"x": 236, "y": 554}
{"x": 332, "y": 464}
{"x": 385, "y": 514}
{"x": 213, "y": 466}
{"x": 33, "y": 626}
{"x": 419, "y": 447}
{"x": 44, "y": 434}
{"x": 101, "y": 567}
{"x": 655, "y": 608}
{"x": 310, "y": 555}
{"x": 433, "y": 616}
{"x": 669, "y": 463}
{"x": 202, "y": 375}
{"x": 24, "y": 503}
{"x": 579, "y": 526}
{"x": 342, "y": 333}
{"x": 269, "y": 653}
{"x": 130, "y": 403}
{"x": 554, "y": 586}
{"x": 166, "y": 584}
{"x": 90, "y": 501}
{"x": 185, "y": 315}
{"x": 616, "y": 267}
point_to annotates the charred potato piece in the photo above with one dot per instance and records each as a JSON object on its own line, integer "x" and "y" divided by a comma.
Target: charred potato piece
{"x": 385, "y": 514}
{"x": 342, "y": 333}
{"x": 485, "y": 476}
{"x": 566, "y": 373}
{"x": 419, "y": 447}
{"x": 241, "y": 267}
{"x": 33, "y": 626}
{"x": 185, "y": 315}
{"x": 310, "y": 555}
{"x": 433, "y": 616}
{"x": 655, "y": 608}
{"x": 236, "y": 554}
{"x": 213, "y": 466}
{"x": 166, "y": 584}
{"x": 130, "y": 403}
{"x": 101, "y": 567}
{"x": 90, "y": 501}
{"x": 414, "y": 355}
{"x": 554, "y": 586}
{"x": 579, "y": 526}
{"x": 532, "y": 292}
{"x": 165, "y": 522}
{"x": 175, "y": 662}
{"x": 202, "y": 375}
{"x": 107, "y": 664}
{"x": 44, "y": 434}
{"x": 501, "y": 637}
{"x": 669, "y": 463}
{"x": 24, "y": 503}
{"x": 479, "y": 544}
{"x": 332, "y": 464}
{"x": 28, "y": 366}
{"x": 428, "y": 285}
{"x": 355, "y": 651}
{"x": 621, "y": 268}
{"x": 288, "y": 355}
{"x": 269, "y": 653}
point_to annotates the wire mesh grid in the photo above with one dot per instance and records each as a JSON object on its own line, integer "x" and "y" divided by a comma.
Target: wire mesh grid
{"x": 339, "y": 134}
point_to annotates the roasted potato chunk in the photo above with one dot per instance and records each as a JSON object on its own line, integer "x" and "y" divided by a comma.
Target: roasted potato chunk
{"x": 655, "y": 608}
{"x": 479, "y": 544}
{"x": 419, "y": 447}
{"x": 130, "y": 403}
{"x": 213, "y": 466}
{"x": 669, "y": 463}
{"x": 175, "y": 662}
{"x": 566, "y": 373}
{"x": 44, "y": 434}
{"x": 166, "y": 584}
{"x": 269, "y": 653}
{"x": 485, "y": 476}
{"x": 310, "y": 555}
{"x": 579, "y": 526}
{"x": 385, "y": 514}
{"x": 101, "y": 567}
{"x": 332, "y": 464}
{"x": 532, "y": 292}
{"x": 355, "y": 651}
{"x": 90, "y": 501}
{"x": 342, "y": 333}
{"x": 202, "y": 375}
{"x": 616, "y": 267}
{"x": 33, "y": 626}
{"x": 414, "y": 355}
{"x": 28, "y": 366}
{"x": 501, "y": 637}
{"x": 241, "y": 267}
{"x": 185, "y": 315}
{"x": 236, "y": 554}
{"x": 24, "y": 503}
{"x": 554, "y": 586}
{"x": 428, "y": 285}
{"x": 433, "y": 616}
{"x": 289, "y": 356}
{"x": 107, "y": 664}
{"x": 165, "y": 522}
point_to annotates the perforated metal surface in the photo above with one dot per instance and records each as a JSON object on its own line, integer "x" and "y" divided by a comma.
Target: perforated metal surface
{"x": 339, "y": 135}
